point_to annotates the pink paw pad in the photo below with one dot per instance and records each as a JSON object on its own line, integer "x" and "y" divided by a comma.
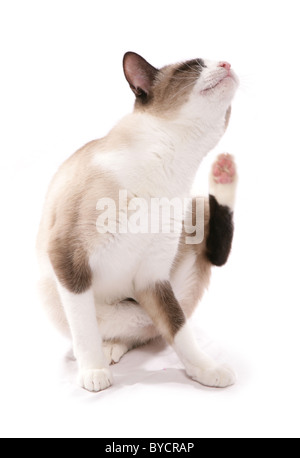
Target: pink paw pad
{"x": 224, "y": 169}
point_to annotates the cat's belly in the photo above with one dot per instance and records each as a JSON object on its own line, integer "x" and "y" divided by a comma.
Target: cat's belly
{"x": 125, "y": 322}
{"x": 131, "y": 262}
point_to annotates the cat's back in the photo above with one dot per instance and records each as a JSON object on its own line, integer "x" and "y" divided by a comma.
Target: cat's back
{"x": 74, "y": 171}
{"x": 74, "y": 191}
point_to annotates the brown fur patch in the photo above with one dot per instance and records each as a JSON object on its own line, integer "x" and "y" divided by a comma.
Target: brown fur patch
{"x": 189, "y": 67}
{"x": 163, "y": 308}
{"x": 68, "y": 231}
{"x": 67, "y": 253}
{"x": 171, "y": 88}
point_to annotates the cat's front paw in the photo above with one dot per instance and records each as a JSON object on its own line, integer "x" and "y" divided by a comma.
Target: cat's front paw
{"x": 214, "y": 376}
{"x": 95, "y": 380}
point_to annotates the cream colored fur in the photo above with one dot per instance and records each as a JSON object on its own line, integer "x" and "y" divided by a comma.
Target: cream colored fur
{"x": 150, "y": 154}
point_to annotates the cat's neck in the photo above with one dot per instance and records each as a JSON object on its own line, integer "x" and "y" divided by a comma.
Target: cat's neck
{"x": 160, "y": 157}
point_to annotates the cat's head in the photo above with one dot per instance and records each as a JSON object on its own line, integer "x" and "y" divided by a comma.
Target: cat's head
{"x": 194, "y": 90}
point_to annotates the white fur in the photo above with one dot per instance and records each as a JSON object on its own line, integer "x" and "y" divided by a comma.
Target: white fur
{"x": 199, "y": 366}
{"x": 125, "y": 321}
{"x": 114, "y": 351}
{"x": 148, "y": 156}
{"x": 94, "y": 374}
{"x": 163, "y": 157}
{"x": 183, "y": 276}
{"x": 224, "y": 193}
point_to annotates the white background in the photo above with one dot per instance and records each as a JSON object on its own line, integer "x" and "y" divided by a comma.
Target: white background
{"x": 61, "y": 85}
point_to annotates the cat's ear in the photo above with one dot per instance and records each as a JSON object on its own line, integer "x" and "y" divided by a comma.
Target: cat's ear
{"x": 139, "y": 74}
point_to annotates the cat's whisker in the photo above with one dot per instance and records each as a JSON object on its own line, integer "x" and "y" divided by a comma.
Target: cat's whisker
{"x": 182, "y": 90}
{"x": 247, "y": 83}
{"x": 185, "y": 78}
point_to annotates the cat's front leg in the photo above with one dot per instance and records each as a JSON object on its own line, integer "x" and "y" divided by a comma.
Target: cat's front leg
{"x": 161, "y": 304}
{"x": 94, "y": 373}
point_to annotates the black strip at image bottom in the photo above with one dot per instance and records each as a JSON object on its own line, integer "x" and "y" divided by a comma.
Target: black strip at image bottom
{"x": 143, "y": 447}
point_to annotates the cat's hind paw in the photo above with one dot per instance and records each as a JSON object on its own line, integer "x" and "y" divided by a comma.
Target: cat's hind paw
{"x": 224, "y": 169}
{"x": 217, "y": 377}
{"x": 223, "y": 180}
{"x": 113, "y": 351}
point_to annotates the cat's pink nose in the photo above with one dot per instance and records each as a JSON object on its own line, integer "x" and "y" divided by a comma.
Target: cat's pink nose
{"x": 225, "y": 65}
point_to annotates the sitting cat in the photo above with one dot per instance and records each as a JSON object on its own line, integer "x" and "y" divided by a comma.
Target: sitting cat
{"x": 113, "y": 290}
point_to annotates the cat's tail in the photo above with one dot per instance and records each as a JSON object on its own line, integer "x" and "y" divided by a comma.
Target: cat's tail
{"x": 222, "y": 193}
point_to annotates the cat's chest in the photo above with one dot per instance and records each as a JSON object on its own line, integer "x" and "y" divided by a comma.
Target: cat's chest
{"x": 154, "y": 167}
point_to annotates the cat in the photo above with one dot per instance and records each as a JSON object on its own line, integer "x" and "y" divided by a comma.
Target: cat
{"x": 111, "y": 291}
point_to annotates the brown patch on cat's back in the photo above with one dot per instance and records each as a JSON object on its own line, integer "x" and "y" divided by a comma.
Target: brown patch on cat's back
{"x": 70, "y": 227}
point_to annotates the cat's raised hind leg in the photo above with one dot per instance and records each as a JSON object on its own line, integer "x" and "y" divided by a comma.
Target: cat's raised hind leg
{"x": 162, "y": 306}
{"x": 223, "y": 183}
